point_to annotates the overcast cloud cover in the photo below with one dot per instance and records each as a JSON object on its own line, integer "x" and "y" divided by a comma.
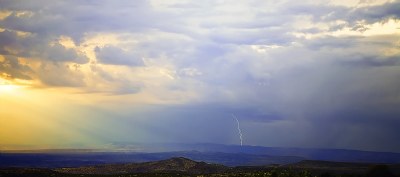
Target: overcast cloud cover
{"x": 296, "y": 73}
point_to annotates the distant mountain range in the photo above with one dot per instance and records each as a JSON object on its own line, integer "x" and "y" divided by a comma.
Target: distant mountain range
{"x": 56, "y": 160}
{"x": 228, "y": 155}
{"x": 339, "y": 155}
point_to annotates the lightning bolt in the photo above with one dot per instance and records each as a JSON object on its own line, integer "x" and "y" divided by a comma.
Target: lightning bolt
{"x": 239, "y": 130}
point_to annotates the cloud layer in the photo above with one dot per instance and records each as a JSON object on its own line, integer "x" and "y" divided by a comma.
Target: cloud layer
{"x": 311, "y": 73}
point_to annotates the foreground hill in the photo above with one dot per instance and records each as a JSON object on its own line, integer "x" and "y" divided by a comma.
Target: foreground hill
{"x": 179, "y": 164}
{"x": 185, "y": 167}
{"x": 319, "y": 167}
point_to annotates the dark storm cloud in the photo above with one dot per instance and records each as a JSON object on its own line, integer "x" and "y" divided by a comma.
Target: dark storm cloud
{"x": 353, "y": 17}
{"x": 351, "y": 57}
{"x": 335, "y": 107}
{"x": 58, "y": 18}
{"x": 32, "y": 46}
{"x": 377, "y": 13}
{"x": 117, "y": 56}
{"x": 308, "y": 85}
{"x": 196, "y": 122}
{"x": 373, "y": 61}
{"x": 13, "y": 69}
{"x": 368, "y": 119}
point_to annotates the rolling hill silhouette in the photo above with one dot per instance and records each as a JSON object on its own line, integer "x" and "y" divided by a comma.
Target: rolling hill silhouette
{"x": 177, "y": 164}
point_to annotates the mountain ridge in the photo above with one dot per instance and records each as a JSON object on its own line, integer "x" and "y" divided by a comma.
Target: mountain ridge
{"x": 84, "y": 159}
{"x": 229, "y": 155}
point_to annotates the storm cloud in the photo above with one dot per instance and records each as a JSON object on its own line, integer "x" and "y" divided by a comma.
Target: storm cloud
{"x": 113, "y": 55}
{"x": 306, "y": 74}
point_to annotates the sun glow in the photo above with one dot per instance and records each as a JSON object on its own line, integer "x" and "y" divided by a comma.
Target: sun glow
{"x": 7, "y": 86}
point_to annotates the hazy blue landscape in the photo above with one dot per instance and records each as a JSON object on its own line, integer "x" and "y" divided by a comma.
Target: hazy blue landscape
{"x": 123, "y": 88}
{"x": 199, "y": 159}
{"x": 229, "y": 155}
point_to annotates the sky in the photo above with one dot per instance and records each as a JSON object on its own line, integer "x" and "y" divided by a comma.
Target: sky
{"x": 97, "y": 73}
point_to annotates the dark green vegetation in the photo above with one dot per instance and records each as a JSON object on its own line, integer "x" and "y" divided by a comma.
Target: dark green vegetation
{"x": 186, "y": 167}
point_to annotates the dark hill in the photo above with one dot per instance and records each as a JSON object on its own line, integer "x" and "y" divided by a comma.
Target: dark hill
{"x": 179, "y": 164}
{"x": 326, "y": 164}
{"x": 185, "y": 167}
{"x": 318, "y": 167}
